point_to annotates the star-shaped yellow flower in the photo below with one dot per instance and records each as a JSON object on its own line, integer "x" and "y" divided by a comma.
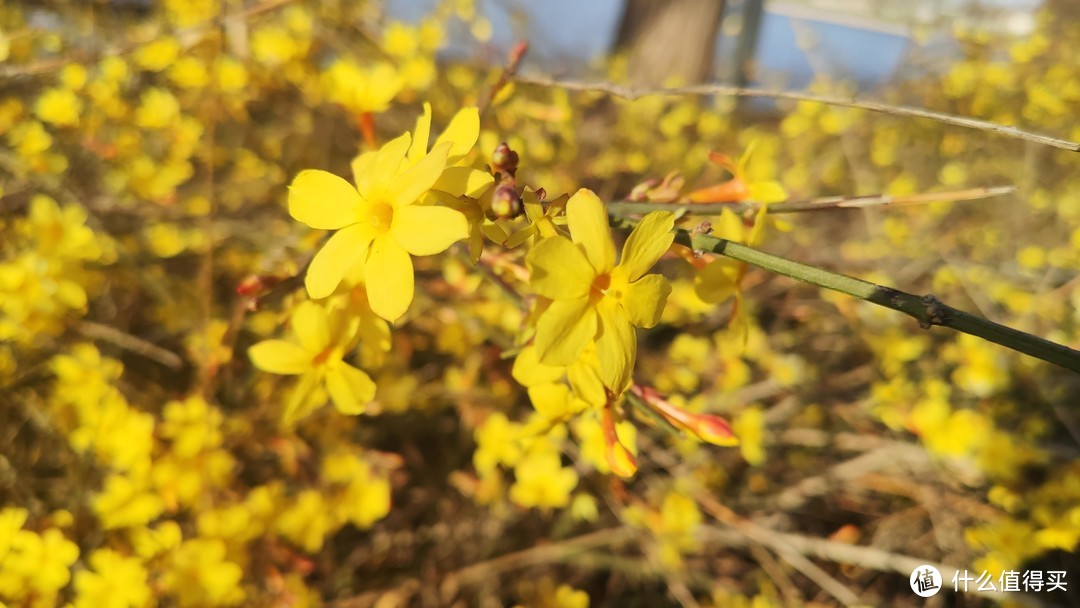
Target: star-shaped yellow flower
{"x": 592, "y": 298}
{"x": 320, "y": 340}
{"x": 382, "y": 220}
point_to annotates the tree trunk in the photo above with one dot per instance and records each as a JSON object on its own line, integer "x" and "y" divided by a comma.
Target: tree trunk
{"x": 669, "y": 40}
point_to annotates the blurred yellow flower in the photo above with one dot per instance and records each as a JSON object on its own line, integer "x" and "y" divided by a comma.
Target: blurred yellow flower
{"x": 58, "y": 107}
{"x": 362, "y": 89}
{"x": 114, "y": 581}
{"x": 320, "y": 340}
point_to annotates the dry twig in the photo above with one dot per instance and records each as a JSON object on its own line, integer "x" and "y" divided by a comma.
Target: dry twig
{"x": 734, "y": 91}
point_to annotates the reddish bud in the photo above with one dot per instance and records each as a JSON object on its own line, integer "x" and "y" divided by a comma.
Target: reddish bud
{"x": 505, "y": 202}
{"x": 517, "y": 53}
{"x": 255, "y": 284}
{"x": 504, "y": 160}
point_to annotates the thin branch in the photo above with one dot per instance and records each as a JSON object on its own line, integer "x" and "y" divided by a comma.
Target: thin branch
{"x": 486, "y": 570}
{"x": 131, "y": 343}
{"x": 926, "y": 309}
{"x": 827, "y": 203}
{"x": 872, "y": 106}
{"x": 517, "y": 53}
{"x": 739, "y": 531}
{"x": 868, "y": 558}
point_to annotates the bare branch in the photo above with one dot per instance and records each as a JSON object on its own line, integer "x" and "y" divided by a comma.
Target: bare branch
{"x": 826, "y": 203}
{"x": 126, "y": 341}
{"x": 872, "y": 106}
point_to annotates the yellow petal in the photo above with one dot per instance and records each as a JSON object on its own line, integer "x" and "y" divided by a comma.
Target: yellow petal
{"x": 583, "y": 378}
{"x": 311, "y": 327}
{"x": 476, "y": 245}
{"x": 589, "y": 228}
{"x": 280, "y": 357}
{"x": 323, "y": 200}
{"x": 528, "y": 370}
{"x": 564, "y": 329}
{"x": 558, "y": 269}
{"x": 389, "y": 273}
{"x": 462, "y": 132}
{"x": 407, "y": 187}
{"x": 304, "y": 399}
{"x": 374, "y": 338}
{"x": 351, "y": 389}
{"x": 427, "y": 230}
{"x": 360, "y": 163}
{"x": 616, "y": 346}
{"x": 534, "y": 209}
{"x": 767, "y": 192}
{"x": 645, "y": 298}
{"x": 554, "y": 401}
{"x": 729, "y": 226}
{"x": 648, "y": 241}
{"x": 376, "y": 174}
{"x": 715, "y": 283}
{"x": 520, "y": 237}
{"x": 758, "y": 231}
{"x": 420, "y": 135}
{"x": 347, "y": 247}
{"x": 464, "y": 181}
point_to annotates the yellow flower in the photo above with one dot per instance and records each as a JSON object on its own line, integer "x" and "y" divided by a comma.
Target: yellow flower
{"x": 200, "y": 574}
{"x": 157, "y": 109}
{"x": 124, "y": 503}
{"x": 231, "y": 75}
{"x": 274, "y": 46}
{"x": 73, "y": 76}
{"x": 11, "y": 521}
{"x": 37, "y": 565}
{"x": 592, "y": 297}
{"x": 542, "y": 481}
{"x": 157, "y": 55}
{"x": 59, "y": 107}
{"x": 321, "y": 339}
{"x": 749, "y": 427}
{"x": 400, "y": 40}
{"x": 189, "y": 73}
{"x": 116, "y": 582}
{"x": 362, "y": 90}
{"x": 307, "y": 521}
{"x": 542, "y": 221}
{"x": 380, "y": 221}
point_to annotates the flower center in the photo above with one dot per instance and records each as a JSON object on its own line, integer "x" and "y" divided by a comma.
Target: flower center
{"x": 326, "y": 355}
{"x": 382, "y": 215}
{"x": 601, "y": 283}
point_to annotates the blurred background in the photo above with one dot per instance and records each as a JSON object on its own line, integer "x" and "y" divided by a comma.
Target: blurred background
{"x": 145, "y": 245}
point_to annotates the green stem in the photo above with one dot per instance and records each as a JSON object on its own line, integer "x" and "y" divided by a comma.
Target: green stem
{"x": 927, "y": 310}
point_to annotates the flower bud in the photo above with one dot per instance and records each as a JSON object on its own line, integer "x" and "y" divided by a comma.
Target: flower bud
{"x": 504, "y": 160}
{"x": 707, "y": 427}
{"x": 505, "y": 202}
{"x": 619, "y": 458}
{"x": 256, "y": 284}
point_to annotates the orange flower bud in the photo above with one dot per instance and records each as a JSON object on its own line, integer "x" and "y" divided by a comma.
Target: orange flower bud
{"x": 621, "y": 461}
{"x": 707, "y": 427}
